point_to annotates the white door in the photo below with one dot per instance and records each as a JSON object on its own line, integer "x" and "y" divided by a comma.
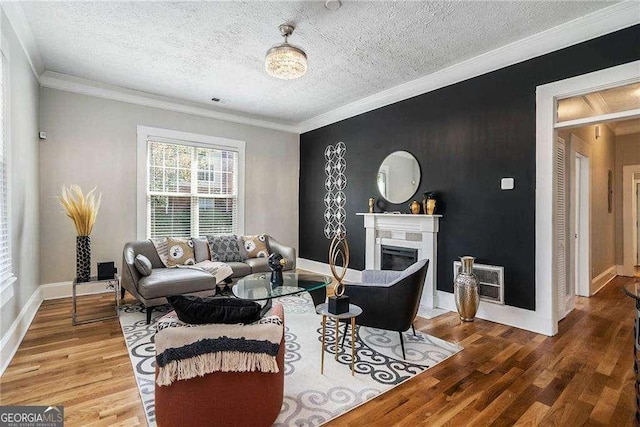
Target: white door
{"x": 579, "y": 229}
{"x": 575, "y": 234}
{"x": 560, "y": 227}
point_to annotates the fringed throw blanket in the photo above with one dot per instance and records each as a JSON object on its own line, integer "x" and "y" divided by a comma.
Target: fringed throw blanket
{"x": 219, "y": 270}
{"x": 185, "y": 351}
{"x": 160, "y": 243}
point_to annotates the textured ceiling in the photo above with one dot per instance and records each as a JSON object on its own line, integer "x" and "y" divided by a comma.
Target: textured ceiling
{"x": 197, "y": 50}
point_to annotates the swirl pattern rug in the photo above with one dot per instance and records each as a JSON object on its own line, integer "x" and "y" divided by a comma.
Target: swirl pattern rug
{"x": 310, "y": 399}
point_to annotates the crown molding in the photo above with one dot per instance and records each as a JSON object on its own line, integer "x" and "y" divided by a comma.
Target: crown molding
{"x": 82, "y": 86}
{"x": 604, "y": 21}
{"x": 18, "y": 21}
{"x": 613, "y": 18}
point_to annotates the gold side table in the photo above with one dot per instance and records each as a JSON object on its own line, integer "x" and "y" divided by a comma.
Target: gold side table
{"x": 110, "y": 284}
{"x": 354, "y": 311}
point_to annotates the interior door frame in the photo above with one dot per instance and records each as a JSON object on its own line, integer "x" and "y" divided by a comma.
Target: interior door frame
{"x": 581, "y": 261}
{"x": 546, "y": 112}
{"x": 629, "y": 218}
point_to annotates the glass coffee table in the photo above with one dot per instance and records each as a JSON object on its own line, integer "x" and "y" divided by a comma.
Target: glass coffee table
{"x": 257, "y": 287}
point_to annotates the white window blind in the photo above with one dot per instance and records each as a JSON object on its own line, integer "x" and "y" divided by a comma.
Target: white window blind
{"x": 191, "y": 190}
{"x": 5, "y": 238}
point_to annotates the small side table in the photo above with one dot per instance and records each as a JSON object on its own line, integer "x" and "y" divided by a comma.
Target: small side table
{"x": 111, "y": 284}
{"x": 354, "y": 311}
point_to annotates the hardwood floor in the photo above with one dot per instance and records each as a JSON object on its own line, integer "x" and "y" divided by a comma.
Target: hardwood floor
{"x": 504, "y": 376}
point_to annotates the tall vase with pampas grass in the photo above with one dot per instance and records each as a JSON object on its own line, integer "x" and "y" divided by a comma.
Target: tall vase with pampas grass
{"x": 82, "y": 209}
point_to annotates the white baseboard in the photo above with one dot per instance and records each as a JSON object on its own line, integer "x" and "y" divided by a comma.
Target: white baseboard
{"x": 620, "y": 271}
{"x": 507, "y": 315}
{"x": 14, "y": 336}
{"x": 511, "y": 316}
{"x": 354, "y": 276}
{"x": 64, "y": 290}
{"x": 601, "y": 280}
{"x": 6, "y": 290}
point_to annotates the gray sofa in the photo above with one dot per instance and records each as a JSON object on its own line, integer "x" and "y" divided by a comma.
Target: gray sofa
{"x": 152, "y": 290}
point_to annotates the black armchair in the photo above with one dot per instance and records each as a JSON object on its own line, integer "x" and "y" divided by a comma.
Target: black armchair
{"x": 389, "y": 299}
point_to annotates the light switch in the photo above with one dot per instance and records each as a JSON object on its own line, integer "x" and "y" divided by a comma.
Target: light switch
{"x": 507, "y": 184}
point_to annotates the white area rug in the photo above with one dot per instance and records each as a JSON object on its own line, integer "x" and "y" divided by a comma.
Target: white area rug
{"x": 310, "y": 398}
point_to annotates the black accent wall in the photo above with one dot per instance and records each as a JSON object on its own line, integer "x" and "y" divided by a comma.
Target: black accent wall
{"x": 466, "y": 137}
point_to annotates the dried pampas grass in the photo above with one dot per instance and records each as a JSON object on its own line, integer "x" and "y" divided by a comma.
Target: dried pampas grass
{"x": 82, "y": 209}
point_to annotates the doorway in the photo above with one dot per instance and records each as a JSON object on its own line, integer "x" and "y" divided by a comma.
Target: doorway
{"x": 630, "y": 219}
{"x": 572, "y": 220}
{"x": 548, "y": 299}
{"x": 581, "y": 222}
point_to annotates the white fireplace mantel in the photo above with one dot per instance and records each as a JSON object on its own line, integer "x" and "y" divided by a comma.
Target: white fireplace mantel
{"x": 404, "y": 231}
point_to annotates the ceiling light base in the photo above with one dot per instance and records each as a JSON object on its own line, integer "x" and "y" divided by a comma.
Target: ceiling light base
{"x": 286, "y": 30}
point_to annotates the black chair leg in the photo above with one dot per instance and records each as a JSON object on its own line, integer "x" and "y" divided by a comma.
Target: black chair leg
{"x": 346, "y": 327}
{"x": 122, "y": 292}
{"x": 414, "y": 329}
{"x": 402, "y": 345}
{"x": 149, "y": 311}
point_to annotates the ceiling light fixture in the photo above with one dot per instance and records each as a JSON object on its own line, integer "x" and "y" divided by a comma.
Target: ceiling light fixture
{"x": 332, "y": 4}
{"x": 286, "y": 61}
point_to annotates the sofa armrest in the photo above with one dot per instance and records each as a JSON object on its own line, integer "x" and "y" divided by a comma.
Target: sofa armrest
{"x": 286, "y": 251}
{"x": 130, "y": 275}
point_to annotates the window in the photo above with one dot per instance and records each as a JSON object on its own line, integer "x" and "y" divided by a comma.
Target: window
{"x": 192, "y": 184}
{"x": 6, "y": 270}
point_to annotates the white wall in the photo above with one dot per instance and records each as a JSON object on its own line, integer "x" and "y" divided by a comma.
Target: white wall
{"x": 24, "y": 177}
{"x": 92, "y": 141}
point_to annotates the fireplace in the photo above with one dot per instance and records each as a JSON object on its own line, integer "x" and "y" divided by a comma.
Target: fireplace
{"x": 398, "y": 259}
{"x": 416, "y": 233}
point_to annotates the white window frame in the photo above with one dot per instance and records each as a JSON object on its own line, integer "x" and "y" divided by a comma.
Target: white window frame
{"x": 145, "y": 133}
{"x": 7, "y": 283}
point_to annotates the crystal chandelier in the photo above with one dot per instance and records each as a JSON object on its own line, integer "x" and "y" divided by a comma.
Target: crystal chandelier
{"x": 286, "y": 61}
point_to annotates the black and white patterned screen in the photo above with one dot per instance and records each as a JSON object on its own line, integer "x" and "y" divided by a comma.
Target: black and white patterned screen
{"x": 335, "y": 183}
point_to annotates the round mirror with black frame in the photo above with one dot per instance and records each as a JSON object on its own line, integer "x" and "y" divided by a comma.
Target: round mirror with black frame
{"x": 398, "y": 177}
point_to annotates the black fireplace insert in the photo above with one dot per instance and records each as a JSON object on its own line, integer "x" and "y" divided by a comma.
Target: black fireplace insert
{"x": 398, "y": 259}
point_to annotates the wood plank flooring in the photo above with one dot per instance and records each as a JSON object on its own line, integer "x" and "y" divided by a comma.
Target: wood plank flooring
{"x": 504, "y": 376}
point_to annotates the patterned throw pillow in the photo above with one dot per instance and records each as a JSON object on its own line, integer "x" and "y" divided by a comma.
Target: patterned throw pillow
{"x": 224, "y": 248}
{"x": 256, "y": 246}
{"x": 180, "y": 252}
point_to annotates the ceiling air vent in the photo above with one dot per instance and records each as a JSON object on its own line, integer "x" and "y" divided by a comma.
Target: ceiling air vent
{"x": 491, "y": 279}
